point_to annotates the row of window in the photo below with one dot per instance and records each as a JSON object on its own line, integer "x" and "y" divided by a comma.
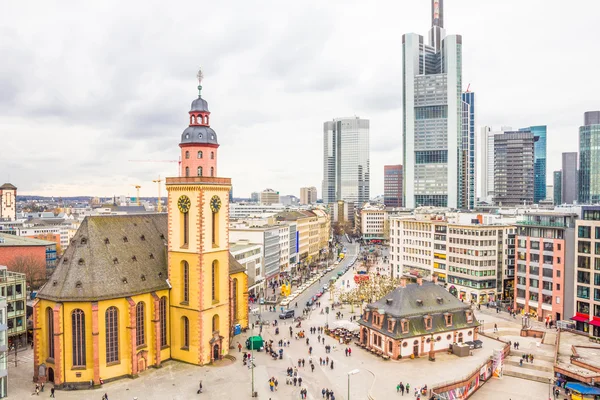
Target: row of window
{"x": 199, "y": 171}
{"x": 200, "y": 155}
{"x": 78, "y": 330}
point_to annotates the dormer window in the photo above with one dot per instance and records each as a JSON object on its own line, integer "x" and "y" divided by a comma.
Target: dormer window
{"x": 428, "y": 322}
{"x": 469, "y": 316}
{"x": 404, "y": 325}
{"x": 448, "y": 319}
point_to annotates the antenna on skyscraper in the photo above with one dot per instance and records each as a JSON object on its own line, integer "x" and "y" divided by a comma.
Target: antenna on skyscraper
{"x": 468, "y": 86}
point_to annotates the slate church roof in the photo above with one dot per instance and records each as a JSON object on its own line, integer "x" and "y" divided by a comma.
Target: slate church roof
{"x": 112, "y": 256}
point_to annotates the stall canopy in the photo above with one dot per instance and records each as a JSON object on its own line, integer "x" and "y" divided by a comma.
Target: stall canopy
{"x": 583, "y": 388}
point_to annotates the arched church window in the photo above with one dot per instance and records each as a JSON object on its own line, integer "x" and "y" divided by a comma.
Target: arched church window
{"x": 50, "y": 336}
{"x": 162, "y": 311}
{"x": 185, "y": 276}
{"x": 78, "y": 337}
{"x": 199, "y": 154}
{"x": 215, "y": 322}
{"x": 212, "y": 154}
{"x": 187, "y": 171}
{"x": 212, "y": 171}
{"x": 199, "y": 171}
{"x": 187, "y": 154}
{"x": 215, "y": 281}
{"x": 112, "y": 334}
{"x": 140, "y": 333}
{"x": 185, "y": 330}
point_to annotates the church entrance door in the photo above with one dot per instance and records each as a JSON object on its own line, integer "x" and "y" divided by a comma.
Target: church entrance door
{"x": 216, "y": 352}
{"x": 50, "y": 375}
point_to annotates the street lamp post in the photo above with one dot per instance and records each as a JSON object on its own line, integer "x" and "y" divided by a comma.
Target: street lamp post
{"x": 353, "y": 372}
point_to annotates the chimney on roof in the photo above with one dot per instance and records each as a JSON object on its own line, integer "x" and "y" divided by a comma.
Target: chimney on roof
{"x": 420, "y": 281}
{"x": 388, "y": 301}
{"x": 403, "y": 282}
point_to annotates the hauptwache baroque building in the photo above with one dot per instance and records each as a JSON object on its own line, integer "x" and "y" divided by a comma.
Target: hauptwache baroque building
{"x": 132, "y": 291}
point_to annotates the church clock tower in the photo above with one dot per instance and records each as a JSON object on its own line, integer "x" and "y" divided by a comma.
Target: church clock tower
{"x": 198, "y": 209}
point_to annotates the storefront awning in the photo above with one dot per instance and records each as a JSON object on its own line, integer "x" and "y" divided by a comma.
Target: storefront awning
{"x": 595, "y": 322}
{"x": 582, "y": 388}
{"x": 579, "y": 318}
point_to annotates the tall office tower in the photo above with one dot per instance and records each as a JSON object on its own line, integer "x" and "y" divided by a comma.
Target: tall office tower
{"x": 569, "y": 178}
{"x": 589, "y": 158}
{"x": 468, "y": 153}
{"x": 433, "y": 117}
{"x": 346, "y": 160}
{"x": 308, "y": 195}
{"x": 514, "y": 168}
{"x": 486, "y": 161}
{"x": 392, "y": 185}
{"x": 539, "y": 155}
{"x": 557, "y": 188}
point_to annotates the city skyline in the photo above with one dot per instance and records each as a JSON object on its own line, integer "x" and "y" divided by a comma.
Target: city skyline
{"x": 80, "y": 106}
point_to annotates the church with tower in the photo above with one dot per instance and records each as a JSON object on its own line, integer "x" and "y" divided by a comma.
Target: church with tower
{"x": 132, "y": 291}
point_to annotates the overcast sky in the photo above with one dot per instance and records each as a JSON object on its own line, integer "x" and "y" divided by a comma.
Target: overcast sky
{"x": 87, "y": 86}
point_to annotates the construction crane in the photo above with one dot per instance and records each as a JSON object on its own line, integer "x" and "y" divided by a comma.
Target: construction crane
{"x": 163, "y": 161}
{"x": 137, "y": 188}
{"x": 159, "y": 203}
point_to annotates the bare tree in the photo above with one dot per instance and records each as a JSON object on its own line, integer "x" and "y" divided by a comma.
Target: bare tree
{"x": 33, "y": 268}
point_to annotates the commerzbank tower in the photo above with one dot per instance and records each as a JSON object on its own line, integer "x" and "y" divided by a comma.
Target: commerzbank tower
{"x": 438, "y": 132}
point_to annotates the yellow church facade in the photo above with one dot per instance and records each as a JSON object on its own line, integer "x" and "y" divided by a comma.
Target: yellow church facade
{"x": 132, "y": 291}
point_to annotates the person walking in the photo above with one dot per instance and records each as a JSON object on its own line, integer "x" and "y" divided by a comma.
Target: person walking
{"x": 495, "y": 328}
{"x": 239, "y": 347}
{"x": 312, "y": 367}
{"x": 349, "y": 351}
{"x": 51, "y": 392}
{"x": 300, "y": 381}
{"x": 295, "y": 381}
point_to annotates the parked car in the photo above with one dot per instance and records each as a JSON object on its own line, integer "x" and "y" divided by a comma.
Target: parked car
{"x": 287, "y": 314}
{"x": 310, "y": 302}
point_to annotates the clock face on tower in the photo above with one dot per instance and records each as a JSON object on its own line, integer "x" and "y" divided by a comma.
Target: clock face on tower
{"x": 184, "y": 204}
{"x": 215, "y": 204}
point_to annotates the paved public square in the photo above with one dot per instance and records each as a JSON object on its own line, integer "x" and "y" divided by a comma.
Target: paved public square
{"x": 232, "y": 380}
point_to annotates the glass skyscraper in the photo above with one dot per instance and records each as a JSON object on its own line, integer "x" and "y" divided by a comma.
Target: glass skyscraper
{"x": 589, "y": 158}
{"x": 436, "y": 119}
{"x": 539, "y": 160}
{"x": 346, "y": 171}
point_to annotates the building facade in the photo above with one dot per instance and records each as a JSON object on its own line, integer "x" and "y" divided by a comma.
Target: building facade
{"x": 308, "y": 195}
{"x": 417, "y": 319}
{"x": 589, "y": 158}
{"x": 134, "y": 290}
{"x": 8, "y": 202}
{"x": 13, "y": 288}
{"x": 374, "y": 223}
{"x": 544, "y": 270}
{"x": 475, "y": 259}
{"x": 269, "y": 196}
{"x": 570, "y": 177}
{"x": 392, "y": 185}
{"x": 249, "y": 255}
{"x": 346, "y": 168}
{"x": 468, "y": 154}
{"x": 436, "y": 119}
{"x": 539, "y": 161}
{"x": 514, "y": 183}
{"x": 557, "y": 175}
{"x": 587, "y": 272}
{"x": 3, "y": 349}
{"x": 37, "y": 256}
